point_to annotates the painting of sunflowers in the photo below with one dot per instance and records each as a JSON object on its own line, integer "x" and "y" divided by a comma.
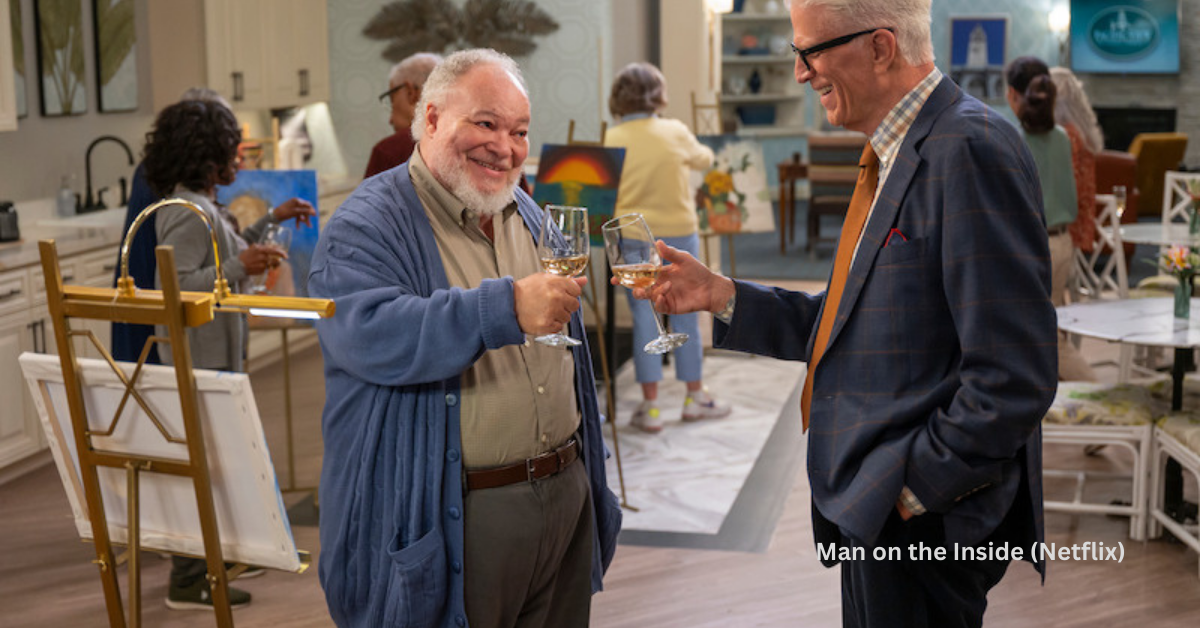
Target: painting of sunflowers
{"x": 732, "y": 196}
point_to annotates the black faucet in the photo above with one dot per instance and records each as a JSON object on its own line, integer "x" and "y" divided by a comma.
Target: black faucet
{"x": 88, "y": 204}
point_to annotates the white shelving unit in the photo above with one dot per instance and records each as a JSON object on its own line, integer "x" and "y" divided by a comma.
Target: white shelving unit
{"x": 756, "y": 42}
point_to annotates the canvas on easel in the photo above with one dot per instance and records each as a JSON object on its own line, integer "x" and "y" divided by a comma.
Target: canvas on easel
{"x": 732, "y": 196}
{"x": 250, "y": 511}
{"x": 581, "y": 175}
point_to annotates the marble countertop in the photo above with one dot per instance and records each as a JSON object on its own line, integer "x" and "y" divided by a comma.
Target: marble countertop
{"x": 1133, "y": 321}
{"x": 77, "y": 234}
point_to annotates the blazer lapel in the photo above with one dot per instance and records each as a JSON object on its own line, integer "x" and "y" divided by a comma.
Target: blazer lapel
{"x": 891, "y": 195}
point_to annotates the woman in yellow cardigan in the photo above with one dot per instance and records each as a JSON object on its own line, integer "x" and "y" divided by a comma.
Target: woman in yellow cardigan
{"x": 659, "y": 152}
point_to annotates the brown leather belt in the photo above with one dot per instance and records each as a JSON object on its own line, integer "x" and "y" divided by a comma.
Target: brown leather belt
{"x": 531, "y": 469}
{"x": 1058, "y": 229}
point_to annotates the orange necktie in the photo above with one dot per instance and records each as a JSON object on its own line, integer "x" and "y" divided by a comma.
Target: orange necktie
{"x": 856, "y": 218}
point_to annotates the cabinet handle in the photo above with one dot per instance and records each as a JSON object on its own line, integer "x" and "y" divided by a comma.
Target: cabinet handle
{"x": 304, "y": 82}
{"x": 237, "y": 87}
{"x": 10, "y": 294}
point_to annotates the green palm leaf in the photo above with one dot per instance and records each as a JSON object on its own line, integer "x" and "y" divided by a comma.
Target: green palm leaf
{"x": 116, "y": 36}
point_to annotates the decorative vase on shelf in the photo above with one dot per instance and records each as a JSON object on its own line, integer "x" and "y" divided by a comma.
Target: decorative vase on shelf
{"x": 755, "y": 82}
{"x": 1183, "y": 297}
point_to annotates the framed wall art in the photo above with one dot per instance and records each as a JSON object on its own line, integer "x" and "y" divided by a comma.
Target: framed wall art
{"x": 978, "y": 52}
{"x": 116, "y": 55}
{"x": 18, "y": 52}
{"x": 60, "y": 58}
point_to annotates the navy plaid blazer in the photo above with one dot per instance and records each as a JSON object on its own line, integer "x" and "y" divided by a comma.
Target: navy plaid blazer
{"x": 942, "y": 360}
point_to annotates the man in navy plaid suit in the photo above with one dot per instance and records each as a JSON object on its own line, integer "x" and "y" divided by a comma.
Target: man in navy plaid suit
{"x": 930, "y": 374}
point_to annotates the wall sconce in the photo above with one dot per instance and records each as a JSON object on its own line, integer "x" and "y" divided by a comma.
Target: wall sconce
{"x": 1060, "y": 22}
{"x": 223, "y": 299}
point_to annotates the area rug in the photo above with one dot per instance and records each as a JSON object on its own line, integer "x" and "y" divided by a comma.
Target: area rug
{"x": 717, "y": 483}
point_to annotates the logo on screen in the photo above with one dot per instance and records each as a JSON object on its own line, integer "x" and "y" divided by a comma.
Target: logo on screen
{"x": 1123, "y": 32}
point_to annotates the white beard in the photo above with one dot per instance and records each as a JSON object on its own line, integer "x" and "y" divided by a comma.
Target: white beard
{"x": 486, "y": 204}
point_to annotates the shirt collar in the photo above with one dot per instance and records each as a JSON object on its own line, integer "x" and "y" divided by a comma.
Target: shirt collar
{"x": 890, "y": 133}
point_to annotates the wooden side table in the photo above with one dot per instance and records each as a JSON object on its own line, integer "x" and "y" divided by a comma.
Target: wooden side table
{"x": 789, "y": 173}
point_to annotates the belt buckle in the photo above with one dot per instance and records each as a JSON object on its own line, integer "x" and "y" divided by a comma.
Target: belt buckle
{"x": 530, "y": 464}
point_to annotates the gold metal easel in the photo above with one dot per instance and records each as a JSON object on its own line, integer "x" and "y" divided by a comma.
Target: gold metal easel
{"x": 177, "y": 311}
{"x": 610, "y": 402}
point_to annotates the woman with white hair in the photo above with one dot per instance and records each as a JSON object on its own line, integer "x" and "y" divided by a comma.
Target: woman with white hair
{"x": 1073, "y": 112}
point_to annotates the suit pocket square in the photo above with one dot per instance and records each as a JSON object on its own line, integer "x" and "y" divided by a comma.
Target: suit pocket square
{"x": 900, "y": 251}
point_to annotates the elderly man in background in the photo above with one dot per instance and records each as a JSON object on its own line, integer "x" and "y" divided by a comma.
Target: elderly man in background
{"x": 405, "y": 81}
{"x": 464, "y": 466}
{"x": 932, "y": 355}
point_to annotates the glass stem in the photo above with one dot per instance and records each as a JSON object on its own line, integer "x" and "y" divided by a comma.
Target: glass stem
{"x": 657, "y": 319}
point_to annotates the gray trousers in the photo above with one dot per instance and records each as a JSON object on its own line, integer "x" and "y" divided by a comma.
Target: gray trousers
{"x": 528, "y": 554}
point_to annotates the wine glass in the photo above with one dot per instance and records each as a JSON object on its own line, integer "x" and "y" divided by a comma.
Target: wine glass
{"x": 563, "y": 250}
{"x": 278, "y": 236}
{"x": 635, "y": 263}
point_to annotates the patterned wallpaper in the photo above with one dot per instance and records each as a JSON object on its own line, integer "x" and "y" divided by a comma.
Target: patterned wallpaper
{"x": 564, "y": 75}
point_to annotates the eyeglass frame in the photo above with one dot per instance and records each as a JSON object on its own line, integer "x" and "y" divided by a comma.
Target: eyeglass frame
{"x": 386, "y": 97}
{"x": 833, "y": 43}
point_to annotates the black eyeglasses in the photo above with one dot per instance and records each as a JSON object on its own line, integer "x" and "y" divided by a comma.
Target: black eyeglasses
{"x": 386, "y": 97}
{"x": 832, "y": 43}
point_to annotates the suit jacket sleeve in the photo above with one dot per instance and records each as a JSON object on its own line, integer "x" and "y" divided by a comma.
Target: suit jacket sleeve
{"x": 769, "y": 321}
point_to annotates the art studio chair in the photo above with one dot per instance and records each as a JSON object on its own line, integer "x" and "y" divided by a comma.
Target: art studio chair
{"x": 832, "y": 173}
{"x": 1156, "y": 154}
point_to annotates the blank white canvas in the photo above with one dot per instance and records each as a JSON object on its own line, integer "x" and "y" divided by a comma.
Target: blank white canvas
{"x": 251, "y": 517}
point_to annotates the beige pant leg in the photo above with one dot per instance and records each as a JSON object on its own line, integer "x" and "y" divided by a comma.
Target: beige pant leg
{"x": 1071, "y": 365}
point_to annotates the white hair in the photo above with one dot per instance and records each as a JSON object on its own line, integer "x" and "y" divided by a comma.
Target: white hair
{"x": 1072, "y": 106}
{"x": 414, "y": 68}
{"x": 447, "y": 74}
{"x": 910, "y": 18}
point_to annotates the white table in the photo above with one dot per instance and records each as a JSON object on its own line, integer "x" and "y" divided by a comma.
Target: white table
{"x": 1159, "y": 234}
{"x": 1144, "y": 322}
{"x": 1138, "y": 321}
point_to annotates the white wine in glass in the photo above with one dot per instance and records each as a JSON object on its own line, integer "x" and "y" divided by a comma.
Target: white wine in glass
{"x": 279, "y": 236}
{"x": 635, "y": 263}
{"x": 563, "y": 249}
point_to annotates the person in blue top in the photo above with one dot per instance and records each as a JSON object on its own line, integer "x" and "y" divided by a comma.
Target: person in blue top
{"x": 463, "y": 477}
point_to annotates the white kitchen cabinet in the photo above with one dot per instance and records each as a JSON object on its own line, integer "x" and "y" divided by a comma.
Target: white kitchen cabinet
{"x": 20, "y": 433}
{"x": 8, "y": 96}
{"x": 297, "y": 52}
{"x": 258, "y": 54}
{"x": 235, "y": 36}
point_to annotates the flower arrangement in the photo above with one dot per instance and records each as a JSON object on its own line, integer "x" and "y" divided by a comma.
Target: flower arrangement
{"x": 1182, "y": 263}
{"x": 722, "y": 207}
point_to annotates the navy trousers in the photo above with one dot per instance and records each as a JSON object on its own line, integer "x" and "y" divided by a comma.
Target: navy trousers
{"x": 902, "y": 592}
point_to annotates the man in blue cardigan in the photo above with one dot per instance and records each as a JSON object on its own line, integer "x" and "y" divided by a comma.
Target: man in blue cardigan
{"x": 464, "y": 465}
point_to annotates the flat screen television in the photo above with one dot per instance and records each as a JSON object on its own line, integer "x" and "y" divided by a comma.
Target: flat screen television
{"x": 1125, "y": 37}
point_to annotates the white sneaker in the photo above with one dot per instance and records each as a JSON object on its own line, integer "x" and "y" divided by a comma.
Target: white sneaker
{"x": 648, "y": 417}
{"x": 700, "y": 405}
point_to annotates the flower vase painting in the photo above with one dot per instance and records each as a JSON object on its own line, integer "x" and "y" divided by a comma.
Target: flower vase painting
{"x": 1181, "y": 263}
{"x": 732, "y": 196}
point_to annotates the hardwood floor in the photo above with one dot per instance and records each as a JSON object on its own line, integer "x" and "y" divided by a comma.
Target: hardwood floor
{"x": 46, "y": 578}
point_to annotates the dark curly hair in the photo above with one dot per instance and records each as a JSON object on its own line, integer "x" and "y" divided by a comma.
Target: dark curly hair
{"x": 1031, "y": 78}
{"x": 638, "y": 88}
{"x": 193, "y": 143}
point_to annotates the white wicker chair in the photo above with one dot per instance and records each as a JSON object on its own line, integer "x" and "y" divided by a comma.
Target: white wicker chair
{"x": 1091, "y": 413}
{"x": 1176, "y": 436}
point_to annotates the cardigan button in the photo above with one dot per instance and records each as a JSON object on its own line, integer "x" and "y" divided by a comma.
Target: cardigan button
{"x": 454, "y": 513}
{"x": 456, "y": 566}
{"x": 451, "y": 399}
{"x": 461, "y": 621}
{"x": 452, "y": 455}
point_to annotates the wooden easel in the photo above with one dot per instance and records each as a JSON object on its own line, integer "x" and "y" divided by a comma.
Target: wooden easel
{"x": 606, "y": 338}
{"x": 176, "y": 311}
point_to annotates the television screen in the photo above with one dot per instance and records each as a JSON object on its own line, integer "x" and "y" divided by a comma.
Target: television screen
{"x": 1125, "y": 37}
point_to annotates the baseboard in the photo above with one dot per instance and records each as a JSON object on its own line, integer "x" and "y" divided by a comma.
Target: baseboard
{"x": 32, "y": 463}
